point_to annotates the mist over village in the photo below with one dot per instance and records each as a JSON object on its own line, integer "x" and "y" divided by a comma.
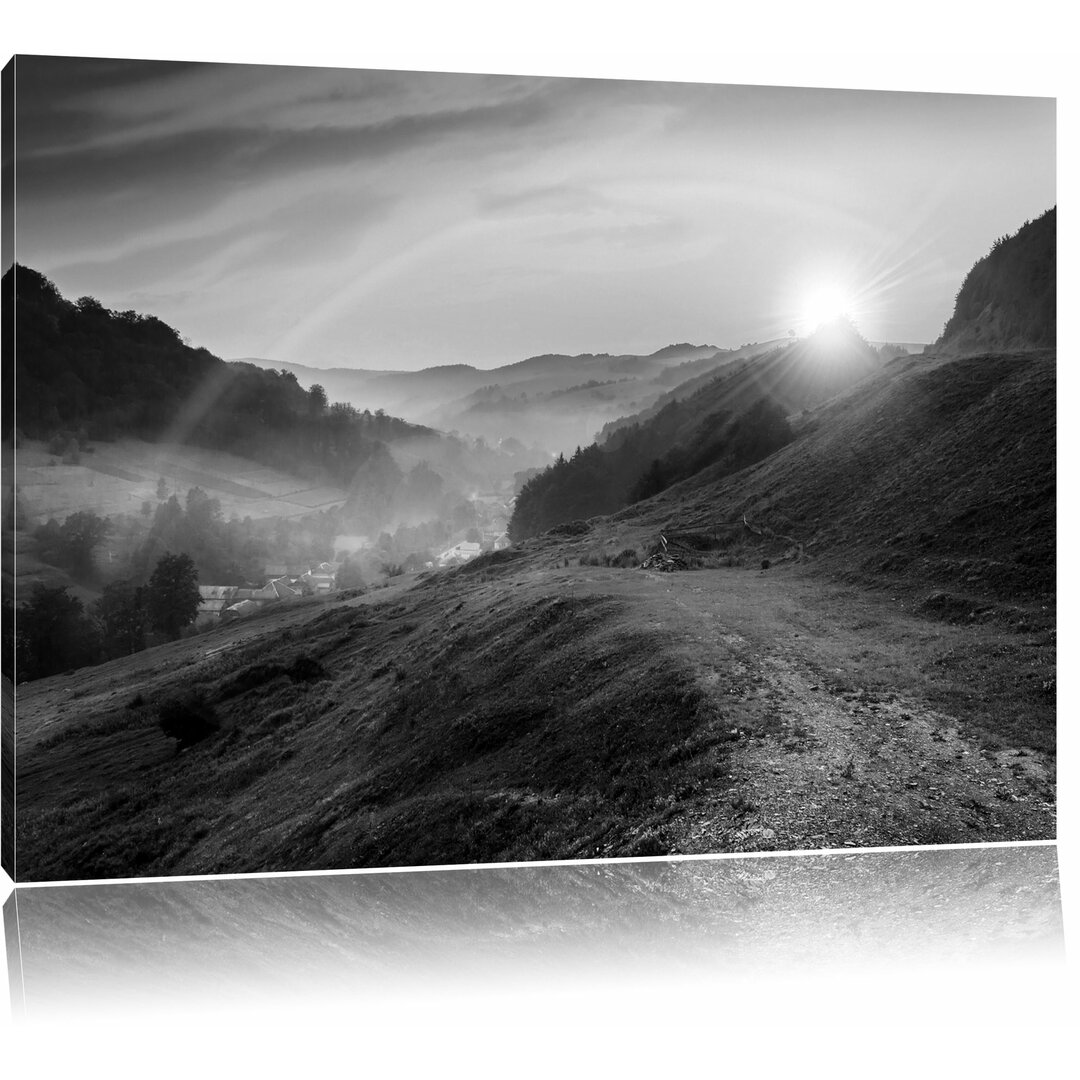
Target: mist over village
{"x": 409, "y": 469}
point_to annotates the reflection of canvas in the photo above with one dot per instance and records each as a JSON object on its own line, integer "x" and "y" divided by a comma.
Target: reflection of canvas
{"x": 168, "y": 945}
{"x": 423, "y": 469}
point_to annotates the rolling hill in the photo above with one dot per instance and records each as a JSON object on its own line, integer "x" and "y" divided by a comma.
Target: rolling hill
{"x": 939, "y": 470}
{"x": 87, "y": 373}
{"x": 554, "y": 401}
{"x": 107, "y": 402}
{"x": 850, "y": 642}
{"x": 731, "y": 420}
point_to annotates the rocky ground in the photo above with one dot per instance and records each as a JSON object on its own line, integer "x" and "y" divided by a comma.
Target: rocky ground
{"x": 847, "y": 740}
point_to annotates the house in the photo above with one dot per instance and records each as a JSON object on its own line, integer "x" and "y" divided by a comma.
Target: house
{"x": 214, "y": 600}
{"x": 462, "y": 552}
{"x": 279, "y": 589}
{"x": 240, "y": 610}
{"x": 502, "y": 541}
{"x": 319, "y": 579}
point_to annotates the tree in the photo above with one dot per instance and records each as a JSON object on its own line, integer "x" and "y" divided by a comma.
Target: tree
{"x": 317, "y": 400}
{"x": 463, "y": 515}
{"x": 423, "y": 486}
{"x": 122, "y": 611}
{"x": 79, "y": 535}
{"x": 172, "y": 595}
{"x": 53, "y": 633}
{"x": 417, "y": 560}
{"x": 202, "y": 510}
{"x": 7, "y": 662}
{"x": 349, "y": 575}
{"x": 651, "y": 482}
{"x": 162, "y": 489}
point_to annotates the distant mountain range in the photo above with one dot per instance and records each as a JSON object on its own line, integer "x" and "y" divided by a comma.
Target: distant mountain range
{"x": 727, "y": 418}
{"x": 553, "y": 400}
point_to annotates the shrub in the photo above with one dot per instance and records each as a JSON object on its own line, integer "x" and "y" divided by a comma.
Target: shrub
{"x": 306, "y": 668}
{"x": 491, "y": 560}
{"x": 187, "y": 718}
{"x": 569, "y": 528}
{"x": 628, "y": 557}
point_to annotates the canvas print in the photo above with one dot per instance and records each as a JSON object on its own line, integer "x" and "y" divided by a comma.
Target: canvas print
{"x": 409, "y": 468}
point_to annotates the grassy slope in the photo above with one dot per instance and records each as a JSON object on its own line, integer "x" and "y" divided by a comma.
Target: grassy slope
{"x": 940, "y": 471}
{"x": 1009, "y": 298}
{"x": 555, "y": 725}
{"x": 796, "y": 376}
{"x": 495, "y": 714}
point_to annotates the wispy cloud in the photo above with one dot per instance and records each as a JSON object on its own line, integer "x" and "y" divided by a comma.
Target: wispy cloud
{"x": 320, "y": 212}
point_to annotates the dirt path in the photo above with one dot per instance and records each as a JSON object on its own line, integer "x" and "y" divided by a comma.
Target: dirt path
{"x": 837, "y": 746}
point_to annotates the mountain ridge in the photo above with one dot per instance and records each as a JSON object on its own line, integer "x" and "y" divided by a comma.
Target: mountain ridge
{"x": 440, "y": 396}
{"x": 1008, "y": 299}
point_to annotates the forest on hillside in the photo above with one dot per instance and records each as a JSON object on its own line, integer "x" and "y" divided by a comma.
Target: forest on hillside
{"x": 643, "y": 459}
{"x": 1016, "y": 281}
{"x": 732, "y": 418}
{"x": 91, "y": 373}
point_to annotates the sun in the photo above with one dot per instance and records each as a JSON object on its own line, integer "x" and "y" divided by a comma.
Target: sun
{"x": 823, "y": 305}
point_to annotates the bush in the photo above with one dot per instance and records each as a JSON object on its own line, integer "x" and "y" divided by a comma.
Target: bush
{"x": 628, "y": 557}
{"x": 569, "y": 528}
{"x": 306, "y": 668}
{"x": 187, "y": 718}
{"x": 491, "y": 560}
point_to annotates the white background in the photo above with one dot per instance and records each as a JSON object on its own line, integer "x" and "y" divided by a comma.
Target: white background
{"x": 830, "y": 1023}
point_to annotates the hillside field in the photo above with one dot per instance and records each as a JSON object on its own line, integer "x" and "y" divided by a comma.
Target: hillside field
{"x": 117, "y": 478}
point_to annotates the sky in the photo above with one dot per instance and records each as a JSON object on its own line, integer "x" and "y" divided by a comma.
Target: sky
{"x": 382, "y": 219}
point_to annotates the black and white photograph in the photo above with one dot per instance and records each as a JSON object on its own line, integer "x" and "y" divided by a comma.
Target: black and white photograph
{"x": 413, "y": 469}
{"x": 530, "y": 539}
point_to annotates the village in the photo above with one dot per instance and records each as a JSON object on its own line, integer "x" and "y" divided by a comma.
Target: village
{"x": 291, "y": 581}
